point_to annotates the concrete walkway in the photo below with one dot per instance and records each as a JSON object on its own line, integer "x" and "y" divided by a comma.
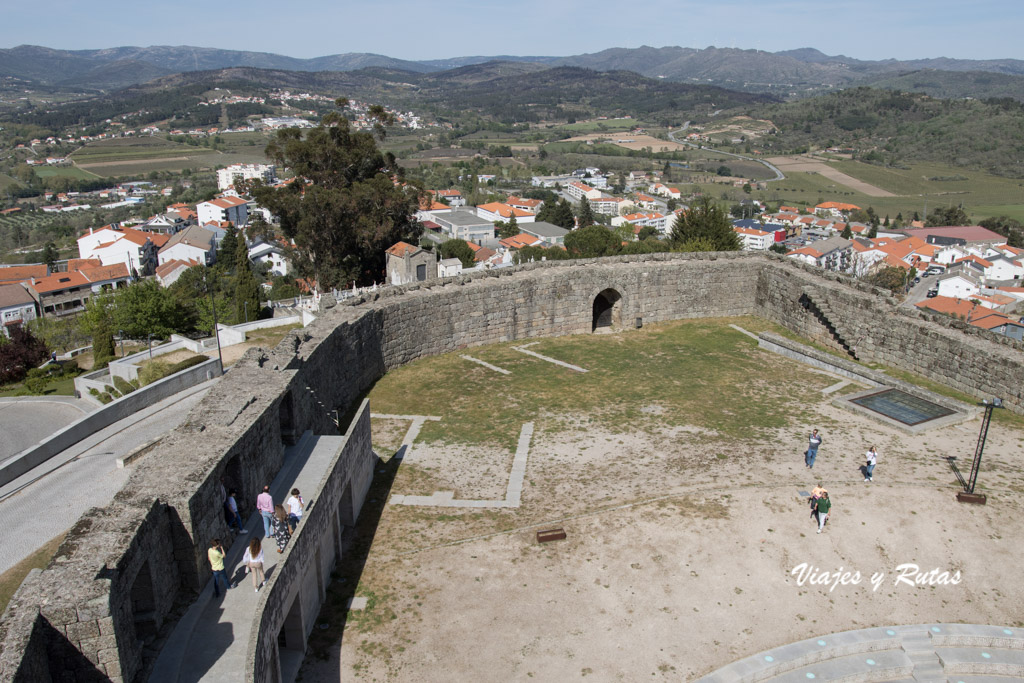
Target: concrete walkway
{"x": 211, "y": 641}
{"x": 917, "y": 653}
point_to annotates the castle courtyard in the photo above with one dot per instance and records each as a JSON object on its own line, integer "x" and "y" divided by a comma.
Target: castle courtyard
{"x": 672, "y": 458}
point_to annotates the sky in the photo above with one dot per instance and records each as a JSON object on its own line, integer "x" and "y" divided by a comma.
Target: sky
{"x": 427, "y": 29}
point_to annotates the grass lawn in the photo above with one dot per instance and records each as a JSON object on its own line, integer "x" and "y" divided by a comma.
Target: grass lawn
{"x": 598, "y": 126}
{"x": 12, "y": 578}
{"x": 7, "y": 181}
{"x": 65, "y": 386}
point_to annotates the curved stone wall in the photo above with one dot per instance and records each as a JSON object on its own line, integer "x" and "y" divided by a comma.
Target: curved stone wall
{"x": 125, "y": 570}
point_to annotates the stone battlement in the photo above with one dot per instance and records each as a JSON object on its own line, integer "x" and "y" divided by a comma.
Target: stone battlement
{"x": 126, "y": 571}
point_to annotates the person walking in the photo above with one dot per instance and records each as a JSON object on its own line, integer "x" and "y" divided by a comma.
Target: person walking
{"x": 253, "y": 560}
{"x": 295, "y": 506}
{"x": 823, "y": 507}
{"x": 816, "y": 493}
{"x": 265, "y": 505}
{"x": 813, "y": 441}
{"x": 281, "y": 532}
{"x": 869, "y": 470}
{"x": 234, "y": 519}
{"x": 216, "y": 557}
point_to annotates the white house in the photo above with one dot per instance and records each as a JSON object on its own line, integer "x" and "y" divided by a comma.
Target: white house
{"x": 168, "y": 272}
{"x": 226, "y": 177}
{"x": 496, "y": 211}
{"x": 191, "y": 244}
{"x": 225, "y": 208}
{"x": 958, "y": 285}
{"x": 137, "y": 250}
{"x": 17, "y": 307}
{"x": 754, "y": 239}
{"x": 664, "y": 191}
{"x": 607, "y": 206}
{"x": 274, "y": 254}
{"x": 1004, "y": 268}
{"x": 465, "y": 225}
{"x": 454, "y": 198}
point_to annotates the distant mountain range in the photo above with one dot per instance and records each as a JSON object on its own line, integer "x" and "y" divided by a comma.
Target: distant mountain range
{"x": 798, "y": 72}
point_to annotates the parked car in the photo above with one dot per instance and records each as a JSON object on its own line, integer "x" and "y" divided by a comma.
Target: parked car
{"x": 916, "y": 280}
{"x": 932, "y": 293}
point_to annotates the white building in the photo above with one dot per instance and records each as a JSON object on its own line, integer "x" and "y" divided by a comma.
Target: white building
{"x": 607, "y": 206}
{"x": 958, "y": 285}
{"x": 653, "y": 219}
{"x": 226, "y": 177}
{"x": 136, "y": 249}
{"x": 17, "y": 307}
{"x": 226, "y": 208}
{"x": 191, "y": 244}
{"x": 754, "y": 239}
{"x": 274, "y": 254}
{"x": 449, "y": 267}
{"x": 578, "y": 190}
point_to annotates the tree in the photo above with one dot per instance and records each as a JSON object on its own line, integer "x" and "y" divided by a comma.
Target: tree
{"x": 50, "y": 255}
{"x": 348, "y": 204}
{"x": 724, "y": 171}
{"x": 706, "y": 221}
{"x": 458, "y": 249}
{"x": 645, "y": 232}
{"x": 509, "y": 228}
{"x": 847, "y": 233}
{"x": 144, "y": 308}
{"x": 872, "y": 232}
{"x": 592, "y": 241}
{"x": 247, "y": 293}
{"x": 585, "y": 215}
{"x": 558, "y": 213}
{"x": 950, "y": 215}
{"x": 891, "y": 277}
{"x": 22, "y": 352}
{"x": 227, "y": 248}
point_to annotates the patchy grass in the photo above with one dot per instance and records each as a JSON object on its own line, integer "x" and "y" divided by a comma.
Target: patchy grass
{"x": 673, "y": 364}
{"x": 12, "y": 578}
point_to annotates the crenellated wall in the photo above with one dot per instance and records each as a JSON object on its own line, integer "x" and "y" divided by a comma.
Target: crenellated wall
{"x": 101, "y": 607}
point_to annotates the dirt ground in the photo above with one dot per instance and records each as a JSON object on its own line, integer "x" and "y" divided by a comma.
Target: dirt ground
{"x": 680, "y": 550}
{"x": 809, "y": 165}
{"x": 637, "y": 141}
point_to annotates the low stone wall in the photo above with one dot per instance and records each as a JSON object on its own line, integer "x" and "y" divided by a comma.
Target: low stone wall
{"x": 105, "y": 416}
{"x": 271, "y": 396}
{"x": 295, "y": 591}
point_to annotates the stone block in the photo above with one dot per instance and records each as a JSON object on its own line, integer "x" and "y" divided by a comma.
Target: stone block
{"x": 83, "y": 630}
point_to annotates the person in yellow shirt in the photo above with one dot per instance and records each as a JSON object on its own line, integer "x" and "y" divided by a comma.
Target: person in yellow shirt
{"x": 216, "y": 554}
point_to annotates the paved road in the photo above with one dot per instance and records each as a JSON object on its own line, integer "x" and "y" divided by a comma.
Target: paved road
{"x": 47, "y": 501}
{"x": 27, "y": 420}
{"x": 919, "y": 292}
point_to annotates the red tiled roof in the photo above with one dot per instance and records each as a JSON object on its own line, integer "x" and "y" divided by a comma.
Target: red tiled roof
{"x": 19, "y": 273}
{"x": 57, "y": 281}
{"x": 103, "y": 273}
{"x": 400, "y": 249}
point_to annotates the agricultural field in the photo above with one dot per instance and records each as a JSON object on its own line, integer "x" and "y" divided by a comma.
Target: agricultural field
{"x": 920, "y": 188}
{"x": 597, "y": 126}
{"x": 65, "y": 172}
{"x": 7, "y": 181}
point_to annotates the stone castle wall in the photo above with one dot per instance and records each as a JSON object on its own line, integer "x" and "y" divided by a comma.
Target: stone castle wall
{"x": 127, "y": 569}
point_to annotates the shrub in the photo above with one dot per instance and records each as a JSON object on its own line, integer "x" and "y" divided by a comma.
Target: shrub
{"x": 123, "y": 386}
{"x": 153, "y": 371}
{"x": 105, "y": 398}
{"x": 37, "y": 384}
{"x": 112, "y": 391}
{"x": 186, "y": 364}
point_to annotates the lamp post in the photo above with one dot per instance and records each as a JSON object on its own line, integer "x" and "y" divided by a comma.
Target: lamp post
{"x": 216, "y": 331}
{"x": 968, "y": 495}
{"x": 120, "y": 337}
{"x": 246, "y": 304}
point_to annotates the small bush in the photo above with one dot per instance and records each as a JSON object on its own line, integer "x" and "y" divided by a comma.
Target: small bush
{"x": 35, "y": 373}
{"x": 153, "y": 371}
{"x": 36, "y": 385}
{"x": 105, "y": 398}
{"x": 187, "y": 363}
{"x": 112, "y": 391}
{"x": 123, "y": 386}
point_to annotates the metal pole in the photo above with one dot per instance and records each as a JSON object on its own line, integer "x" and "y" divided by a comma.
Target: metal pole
{"x": 120, "y": 336}
{"x": 149, "y": 344}
{"x": 246, "y": 303}
{"x": 216, "y": 331}
{"x": 982, "y": 436}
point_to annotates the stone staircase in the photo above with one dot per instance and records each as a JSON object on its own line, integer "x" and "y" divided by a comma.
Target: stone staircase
{"x": 814, "y": 302}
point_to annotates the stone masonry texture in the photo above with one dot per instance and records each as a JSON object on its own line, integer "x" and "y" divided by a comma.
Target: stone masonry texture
{"x": 125, "y": 572}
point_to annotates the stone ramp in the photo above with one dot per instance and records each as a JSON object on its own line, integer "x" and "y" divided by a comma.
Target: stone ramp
{"x": 970, "y": 653}
{"x": 210, "y": 642}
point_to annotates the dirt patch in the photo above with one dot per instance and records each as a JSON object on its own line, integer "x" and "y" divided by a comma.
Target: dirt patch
{"x": 810, "y": 165}
{"x": 633, "y": 141}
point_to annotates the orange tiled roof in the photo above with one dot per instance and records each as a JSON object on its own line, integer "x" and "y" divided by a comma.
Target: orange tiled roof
{"x": 19, "y": 273}
{"x": 400, "y": 249}
{"x": 103, "y": 273}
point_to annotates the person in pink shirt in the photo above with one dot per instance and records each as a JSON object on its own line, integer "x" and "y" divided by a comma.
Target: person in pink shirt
{"x": 265, "y": 505}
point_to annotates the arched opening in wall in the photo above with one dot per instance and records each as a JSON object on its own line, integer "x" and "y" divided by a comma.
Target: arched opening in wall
{"x": 144, "y": 605}
{"x": 286, "y": 413}
{"x": 607, "y": 310}
{"x": 234, "y": 481}
{"x": 291, "y": 641}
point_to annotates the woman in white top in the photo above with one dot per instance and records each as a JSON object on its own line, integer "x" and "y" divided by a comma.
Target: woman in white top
{"x": 872, "y": 458}
{"x": 253, "y": 559}
{"x": 295, "y": 506}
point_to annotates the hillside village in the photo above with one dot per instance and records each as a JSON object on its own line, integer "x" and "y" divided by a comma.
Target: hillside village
{"x": 974, "y": 274}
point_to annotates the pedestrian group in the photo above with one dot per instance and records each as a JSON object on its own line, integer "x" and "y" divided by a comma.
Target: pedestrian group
{"x": 279, "y": 523}
{"x": 821, "y": 504}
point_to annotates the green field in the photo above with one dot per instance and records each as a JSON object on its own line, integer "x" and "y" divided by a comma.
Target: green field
{"x": 65, "y": 172}
{"x": 134, "y": 149}
{"x": 597, "y": 126}
{"x": 981, "y": 194}
{"x": 7, "y": 181}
